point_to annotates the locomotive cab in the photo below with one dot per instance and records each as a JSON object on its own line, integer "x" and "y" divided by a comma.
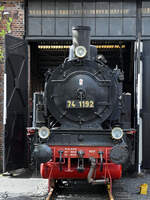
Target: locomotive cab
{"x": 81, "y": 120}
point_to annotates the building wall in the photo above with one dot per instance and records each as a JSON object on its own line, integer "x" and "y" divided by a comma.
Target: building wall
{"x": 107, "y": 18}
{"x": 14, "y": 9}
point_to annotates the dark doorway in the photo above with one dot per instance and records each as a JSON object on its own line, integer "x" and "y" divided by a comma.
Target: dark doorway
{"x": 16, "y": 80}
{"x": 49, "y": 54}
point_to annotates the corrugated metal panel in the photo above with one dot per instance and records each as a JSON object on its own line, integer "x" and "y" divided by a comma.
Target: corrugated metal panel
{"x": 116, "y": 9}
{"x": 146, "y": 18}
{"x": 116, "y": 26}
{"x": 146, "y": 26}
{"x": 34, "y": 26}
{"x": 100, "y": 28}
{"x": 48, "y": 26}
{"x": 61, "y": 26}
{"x": 106, "y": 18}
{"x": 129, "y": 8}
{"x": 129, "y": 26}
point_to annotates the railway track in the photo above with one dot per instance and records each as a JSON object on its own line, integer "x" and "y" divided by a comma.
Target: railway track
{"x": 78, "y": 190}
{"x": 81, "y": 190}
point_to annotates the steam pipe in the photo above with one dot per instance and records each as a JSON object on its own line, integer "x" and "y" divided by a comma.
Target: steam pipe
{"x": 91, "y": 171}
{"x": 90, "y": 174}
{"x": 100, "y": 181}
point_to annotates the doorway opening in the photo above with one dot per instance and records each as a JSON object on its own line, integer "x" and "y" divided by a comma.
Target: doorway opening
{"x": 49, "y": 54}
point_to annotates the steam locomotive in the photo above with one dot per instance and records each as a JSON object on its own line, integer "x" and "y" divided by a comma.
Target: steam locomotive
{"x": 81, "y": 124}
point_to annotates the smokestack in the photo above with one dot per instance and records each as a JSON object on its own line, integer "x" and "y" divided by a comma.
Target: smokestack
{"x": 81, "y": 37}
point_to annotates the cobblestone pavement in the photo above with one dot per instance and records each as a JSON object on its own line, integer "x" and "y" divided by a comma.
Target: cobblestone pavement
{"x": 27, "y": 187}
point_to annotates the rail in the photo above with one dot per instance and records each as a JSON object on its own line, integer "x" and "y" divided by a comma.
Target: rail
{"x": 53, "y": 189}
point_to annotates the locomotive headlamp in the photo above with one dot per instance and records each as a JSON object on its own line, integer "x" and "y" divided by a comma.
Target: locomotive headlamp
{"x": 43, "y": 132}
{"x": 80, "y": 51}
{"x": 117, "y": 133}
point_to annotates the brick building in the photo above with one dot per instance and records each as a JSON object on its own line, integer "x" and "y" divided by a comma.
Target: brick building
{"x": 46, "y": 25}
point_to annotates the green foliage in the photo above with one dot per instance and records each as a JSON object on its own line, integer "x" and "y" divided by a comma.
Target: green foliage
{"x": 10, "y": 19}
{"x": 4, "y": 31}
{"x": 1, "y": 54}
{"x": 1, "y": 8}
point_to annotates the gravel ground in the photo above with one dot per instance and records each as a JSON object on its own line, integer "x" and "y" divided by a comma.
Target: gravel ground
{"x": 23, "y": 185}
{"x": 26, "y": 187}
{"x": 22, "y": 188}
{"x": 129, "y": 187}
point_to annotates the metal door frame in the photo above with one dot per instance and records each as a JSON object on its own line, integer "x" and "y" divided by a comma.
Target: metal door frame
{"x": 138, "y": 77}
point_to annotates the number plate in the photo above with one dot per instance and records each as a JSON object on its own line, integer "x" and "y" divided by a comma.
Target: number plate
{"x": 80, "y": 104}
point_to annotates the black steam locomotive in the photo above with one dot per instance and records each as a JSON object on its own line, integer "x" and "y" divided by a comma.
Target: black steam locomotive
{"x": 81, "y": 121}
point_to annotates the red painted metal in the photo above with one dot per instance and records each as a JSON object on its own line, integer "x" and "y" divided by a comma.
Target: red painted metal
{"x": 31, "y": 131}
{"x": 51, "y": 169}
{"x": 131, "y": 132}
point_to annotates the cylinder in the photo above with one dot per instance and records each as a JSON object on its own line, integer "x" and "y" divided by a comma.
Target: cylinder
{"x": 81, "y": 37}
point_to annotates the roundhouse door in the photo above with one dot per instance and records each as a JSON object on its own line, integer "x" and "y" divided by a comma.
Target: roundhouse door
{"x": 146, "y": 104}
{"x": 15, "y": 104}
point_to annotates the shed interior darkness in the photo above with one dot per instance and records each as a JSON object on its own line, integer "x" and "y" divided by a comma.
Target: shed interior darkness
{"x": 49, "y": 54}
